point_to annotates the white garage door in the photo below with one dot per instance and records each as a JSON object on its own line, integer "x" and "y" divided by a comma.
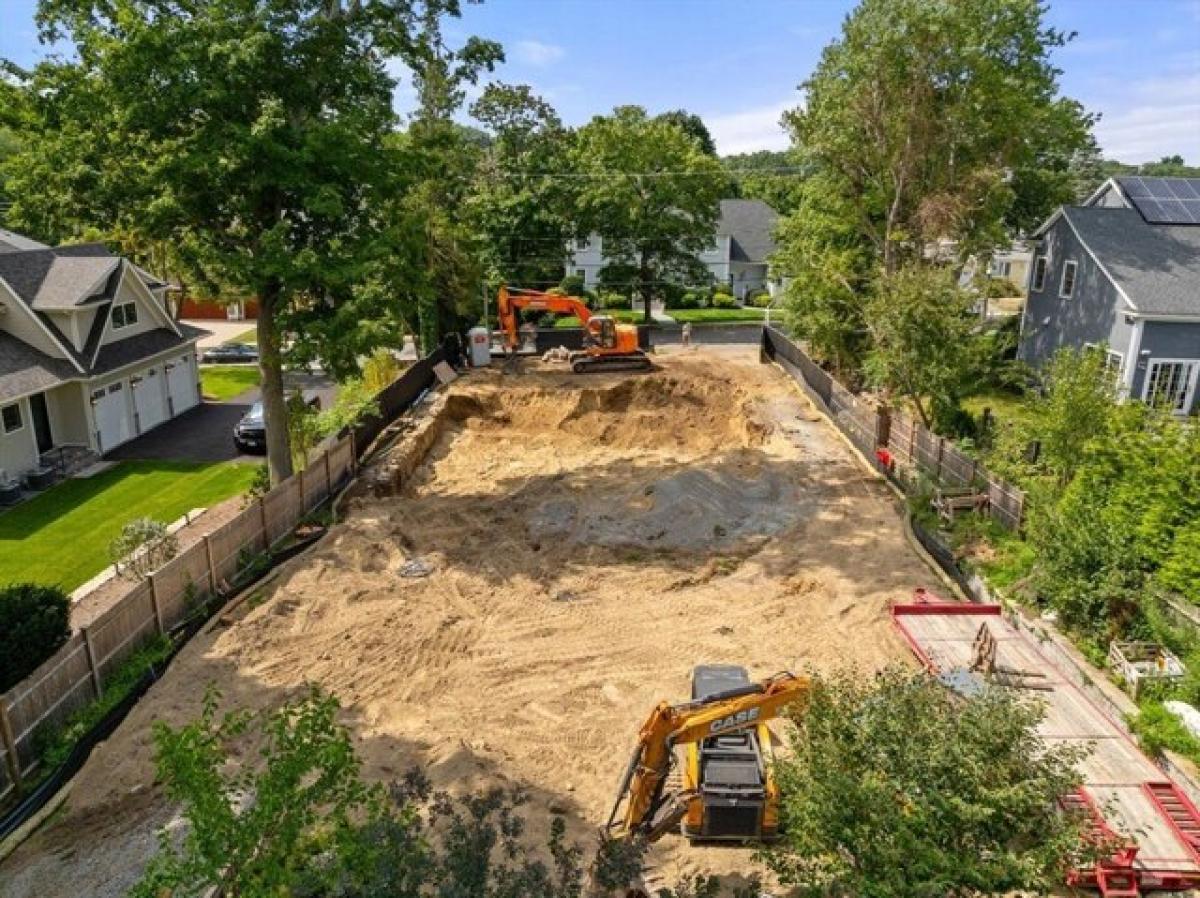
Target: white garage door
{"x": 181, "y": 383}
{"x": 112, "y": 415}
{"x": 149, "y": 398}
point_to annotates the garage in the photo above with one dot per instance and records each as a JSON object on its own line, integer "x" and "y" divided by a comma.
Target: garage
{"x": 181, "y": 383}
{"x": 113, "y": 421}
{"x": 149, "y": 398}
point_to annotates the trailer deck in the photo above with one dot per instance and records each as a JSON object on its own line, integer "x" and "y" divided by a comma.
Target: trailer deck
{"x": 1128, "y": 795}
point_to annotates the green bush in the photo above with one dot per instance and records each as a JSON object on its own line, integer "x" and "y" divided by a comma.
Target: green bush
{"x": 615, "y": 301}
{"x": 760, "y": 299}
{"x": 572, "y": 285}
{"x": 723, "y": 301}
{"x": 688, "y": 300}
{"x": 1158, "y": 729}
{"x": 34, "y": 621}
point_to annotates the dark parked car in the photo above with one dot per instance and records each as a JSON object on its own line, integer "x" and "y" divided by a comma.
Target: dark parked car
{"x": 228, "y": 353}
{"x": 250, "y": 434}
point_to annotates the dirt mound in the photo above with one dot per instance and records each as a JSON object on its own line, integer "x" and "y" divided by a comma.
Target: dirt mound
{"x": 656, "y": 411}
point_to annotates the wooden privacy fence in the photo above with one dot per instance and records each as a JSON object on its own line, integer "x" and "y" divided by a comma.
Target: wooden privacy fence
{"x": 77, "y": 673}
{"x": 909, "y": 443}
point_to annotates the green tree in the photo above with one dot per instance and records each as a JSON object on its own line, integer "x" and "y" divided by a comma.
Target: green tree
{"x": 35, "y": 620}
{"x": 518, "y": 204}
{"x": 651, "y": 194}
{"x": 692, "y": 124}
{"x": 898, "y": 788}
{"x": 1075, "y": 407}
{"x": 920, "y": 122}
{"x": 924, "y": 347}
{"x": 775, "y": 177}
{"x": 250, "y": 134}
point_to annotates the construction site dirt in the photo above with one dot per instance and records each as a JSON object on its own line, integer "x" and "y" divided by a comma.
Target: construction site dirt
{"x": 567, "y": 550}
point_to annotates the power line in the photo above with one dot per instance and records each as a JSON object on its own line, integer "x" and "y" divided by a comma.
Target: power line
{"x": 723, "y": 173}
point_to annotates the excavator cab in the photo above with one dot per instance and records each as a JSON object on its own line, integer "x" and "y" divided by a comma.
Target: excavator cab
{"x": 602, "y": 332}
{"x": 730, "y": 773}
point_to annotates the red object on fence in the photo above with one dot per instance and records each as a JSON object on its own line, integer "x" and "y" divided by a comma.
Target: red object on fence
{"x": 885, "y": 459}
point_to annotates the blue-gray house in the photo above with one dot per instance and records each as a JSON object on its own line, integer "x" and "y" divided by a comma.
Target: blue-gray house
{"x": 1123, "y": 270}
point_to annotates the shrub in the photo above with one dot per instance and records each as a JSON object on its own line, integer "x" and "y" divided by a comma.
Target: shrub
{"x": 142, "y": 548}
{"x": 723, "y": 301}
{"x": 760, "y": 299}
{"x": 572, "y": 285}
{"x": 34, "y": 621}
{"x": 615, "y": 301}
{"x": 380, "y": 370}
{"x": 688, "y": 300}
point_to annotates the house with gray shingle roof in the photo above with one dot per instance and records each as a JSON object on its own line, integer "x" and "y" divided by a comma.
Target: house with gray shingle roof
{"x": 1123, "y": 271}
{"x": 89, "y": 356}
{"x": 739, "y": 256}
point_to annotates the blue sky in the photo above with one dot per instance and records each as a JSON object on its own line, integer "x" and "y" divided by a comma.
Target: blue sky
{"x": 738, "y": 62}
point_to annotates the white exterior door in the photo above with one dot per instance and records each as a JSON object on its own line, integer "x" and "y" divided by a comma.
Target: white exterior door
{"x": 1171, "y": 384}
{"x": 149, "y": 398}
{"x": 113, "y": 420}
{"x": 181, "y": 383}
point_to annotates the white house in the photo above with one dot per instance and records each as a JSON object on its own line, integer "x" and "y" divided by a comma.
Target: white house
{"x": 739, "y": 255}
{"x": 89, "y": 357}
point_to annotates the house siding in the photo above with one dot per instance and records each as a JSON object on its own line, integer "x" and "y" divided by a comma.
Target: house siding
{"x": 68, "y": 418}
{"x": 1094, "y": 314}
{"x": 18, "y": 450}
{"x": 1166, "y": 340}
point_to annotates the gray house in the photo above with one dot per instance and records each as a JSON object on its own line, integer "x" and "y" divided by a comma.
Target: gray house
{"x": 89, "y": 356}
{"x": 739, "y": 255}
{"x": 1123, "y": 270}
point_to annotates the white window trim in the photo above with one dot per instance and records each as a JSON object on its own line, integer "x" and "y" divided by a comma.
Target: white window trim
{"x": 1072, "y": 266}
{"x": 1039, "y": 274}
{"x": 4, "y": 431}
{"x": 1189, "y": 397}
{"x": 124, "y": 323}
{"x": 1120, "y": 357}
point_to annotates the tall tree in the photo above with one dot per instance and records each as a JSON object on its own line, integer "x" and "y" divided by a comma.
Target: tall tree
{"x": 775, "y": 177}
{"x": 520, "y": 207}
{"x": 922, "y": 121}
{"x": 248, "y": 133}
{"x": 448, "y": 156}
{"x": 652, "y": 195}
{"x": 692, "y": 124}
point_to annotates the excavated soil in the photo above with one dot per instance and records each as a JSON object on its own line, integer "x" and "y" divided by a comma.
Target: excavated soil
{"x": 569, "y": 549}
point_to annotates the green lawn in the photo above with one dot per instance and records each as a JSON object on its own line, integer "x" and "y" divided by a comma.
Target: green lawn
{"x": 1007, "y": 408}
{"x": 223, "y": 382}
{"x": 62, "y": 536}
{"x": 250, "y": 336}
{"x": 716, "y": 316}
{"x": 625, "y": 315}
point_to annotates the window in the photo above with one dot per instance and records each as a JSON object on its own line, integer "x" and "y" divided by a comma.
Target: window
{"x": 1001, "y": 269}
{"x": 1067, "y": 287}
{"x": 1112, "y": 366}
{"x": 124, "y": 315}
{"x": 582, "y": 242}
{"x": 580, "y": 272}
{"x": 1170, "y": 384}
{"x": 1039, "y": 273}
{"x": 11, "y": 415}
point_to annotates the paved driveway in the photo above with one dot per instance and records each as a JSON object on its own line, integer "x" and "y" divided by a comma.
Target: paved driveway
{"x": 218, "y": 331}
{"x": 203, "y": 433}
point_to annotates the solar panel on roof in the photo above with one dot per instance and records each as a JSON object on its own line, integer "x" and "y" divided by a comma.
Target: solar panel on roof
{"x": 1165, "y": 200}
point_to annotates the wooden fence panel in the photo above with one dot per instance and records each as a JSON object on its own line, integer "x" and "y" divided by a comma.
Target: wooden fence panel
{"x": 121, "y": 630}
{"x": 179, "y": 581}
{"x": 62, "y": 684}
{"x": 234, "y": 537}
{"x": 282, "y": 508}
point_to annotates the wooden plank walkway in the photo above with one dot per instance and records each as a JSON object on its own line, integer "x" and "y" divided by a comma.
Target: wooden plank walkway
{"x": 1119, "y": 779}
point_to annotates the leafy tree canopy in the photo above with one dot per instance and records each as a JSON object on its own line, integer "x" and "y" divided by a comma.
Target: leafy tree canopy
{"x": 692, "y": 124}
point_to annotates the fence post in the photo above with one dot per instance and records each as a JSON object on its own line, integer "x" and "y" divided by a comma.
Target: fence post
{"x": 158, "y": 615}
{"x": 262, "y": 517}
{"x": 353, "y": 454}
{"x": 93, "y": 668}
{"x": 300, "y": 483}
{"x": 10, "y": 749}
{"x": 941, "y": 451}
{"x": 912, "y": 440}
{"x": 328, "y": 477}
{"x": 212, "y": 565}
{"x": 883, "y": 425}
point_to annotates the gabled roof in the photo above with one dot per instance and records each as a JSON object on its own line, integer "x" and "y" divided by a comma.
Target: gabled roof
{"x": 12, "y": 242}
{"x": 1156, "y": 266}
{"x": 24, "y": 369}
{"x": 751, "y": 224}
{"x": 73, "y": 281}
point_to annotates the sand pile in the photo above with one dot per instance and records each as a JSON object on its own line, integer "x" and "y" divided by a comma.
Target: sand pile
{"x": 571, "y": 548}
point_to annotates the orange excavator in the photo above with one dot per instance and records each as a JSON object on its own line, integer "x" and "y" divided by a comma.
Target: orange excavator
{"x": 726, "y": 790}
{"x": 608, "y": 346}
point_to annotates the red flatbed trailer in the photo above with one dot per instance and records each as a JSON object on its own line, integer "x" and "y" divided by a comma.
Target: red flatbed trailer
{"x": 1131, "y": 800}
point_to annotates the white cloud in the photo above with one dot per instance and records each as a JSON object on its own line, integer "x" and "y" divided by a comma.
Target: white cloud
{"x": 1159, "y": 117}
{"x": 536, "y": 53}
{"x": 751, "y": 129}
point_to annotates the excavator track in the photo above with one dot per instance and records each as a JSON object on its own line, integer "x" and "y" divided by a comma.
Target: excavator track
{"x": 601, "y": 364}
